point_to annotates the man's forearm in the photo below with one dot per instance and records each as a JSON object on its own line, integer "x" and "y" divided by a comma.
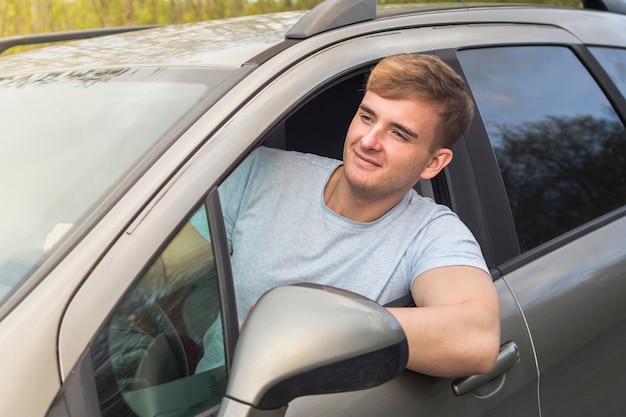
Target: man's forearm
{"x": 450, "y": 340}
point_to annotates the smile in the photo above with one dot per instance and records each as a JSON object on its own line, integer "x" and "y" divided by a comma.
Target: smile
{"x": 364, "y": 161}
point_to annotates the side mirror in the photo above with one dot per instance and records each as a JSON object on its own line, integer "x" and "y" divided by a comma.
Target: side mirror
{"x": 308, "y": 339}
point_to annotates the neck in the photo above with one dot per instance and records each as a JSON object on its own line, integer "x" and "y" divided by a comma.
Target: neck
{"x": 344, "y": 200}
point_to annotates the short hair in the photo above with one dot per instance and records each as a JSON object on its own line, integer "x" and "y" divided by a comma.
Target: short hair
{"x": 426, "y": 77}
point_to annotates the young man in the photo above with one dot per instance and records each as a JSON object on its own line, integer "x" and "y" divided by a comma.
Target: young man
{"x": 359, "y": 225}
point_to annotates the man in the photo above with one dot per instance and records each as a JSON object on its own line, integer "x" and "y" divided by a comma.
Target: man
{"x": 359, "y": 225}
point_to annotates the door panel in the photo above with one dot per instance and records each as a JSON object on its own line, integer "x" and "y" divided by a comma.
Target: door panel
{"x": 413, "y": 394}
{"x": 573, "y": 300}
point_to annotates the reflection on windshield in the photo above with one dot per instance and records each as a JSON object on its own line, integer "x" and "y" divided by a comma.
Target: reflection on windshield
{"x": 69, "y": 137}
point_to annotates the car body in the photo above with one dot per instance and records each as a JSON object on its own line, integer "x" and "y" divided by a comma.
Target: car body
{"x": 126, "y": 136}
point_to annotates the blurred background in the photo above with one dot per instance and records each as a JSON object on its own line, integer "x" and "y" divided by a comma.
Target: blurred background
{"x": 21, "y": 17}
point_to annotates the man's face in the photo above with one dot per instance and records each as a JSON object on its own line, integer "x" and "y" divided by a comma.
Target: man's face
{"x": 388, "y": 145}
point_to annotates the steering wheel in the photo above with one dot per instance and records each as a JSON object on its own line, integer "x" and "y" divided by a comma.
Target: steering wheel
{"x": 144, "y": 347}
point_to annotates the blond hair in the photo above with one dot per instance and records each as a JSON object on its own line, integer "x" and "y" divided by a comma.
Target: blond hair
{"x": 426, "y": 77}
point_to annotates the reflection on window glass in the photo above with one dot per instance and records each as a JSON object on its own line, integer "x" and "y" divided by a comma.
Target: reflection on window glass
{"x": 69, "y": 137}
{"x": 614, "y": 63}
{"x": 147, "y": 359}
{"x": 560, "y": 146}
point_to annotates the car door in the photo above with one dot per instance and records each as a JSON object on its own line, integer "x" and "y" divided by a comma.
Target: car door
{"x": 554, "y": 119}
{"x": 311, "y": 127}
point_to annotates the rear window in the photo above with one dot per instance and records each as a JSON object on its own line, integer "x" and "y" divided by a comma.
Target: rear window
{"x": 559, "y": 142}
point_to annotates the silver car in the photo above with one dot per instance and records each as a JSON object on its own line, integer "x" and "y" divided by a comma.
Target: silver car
{"x": 112, "y": 143}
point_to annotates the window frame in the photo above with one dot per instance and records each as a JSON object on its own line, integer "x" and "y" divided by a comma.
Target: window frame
{"x": 228, "y": 303}
{"x": 476, "y": 190}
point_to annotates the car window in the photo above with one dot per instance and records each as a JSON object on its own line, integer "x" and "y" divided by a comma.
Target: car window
{"x": 559, "y": 143}
{"x": 614, "y": 63}
{"x": 162, "y": 351}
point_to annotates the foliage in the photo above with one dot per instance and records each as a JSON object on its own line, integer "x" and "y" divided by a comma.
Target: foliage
{"x": 561, "y": 172}
{"x": 20, "y": 17}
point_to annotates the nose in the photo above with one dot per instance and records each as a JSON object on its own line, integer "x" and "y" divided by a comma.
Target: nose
{"x": 371, "y": 139}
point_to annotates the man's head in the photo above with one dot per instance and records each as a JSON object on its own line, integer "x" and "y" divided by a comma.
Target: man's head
{"x": 414, "y": 109}
{"x": 427, "y": 78}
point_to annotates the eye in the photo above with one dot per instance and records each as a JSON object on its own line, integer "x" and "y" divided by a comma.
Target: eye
{"x": 400, "y": 136}
{"x": 366, "y": 118}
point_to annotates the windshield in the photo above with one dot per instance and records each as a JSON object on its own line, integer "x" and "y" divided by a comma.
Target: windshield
{"x": 66, "y": 138}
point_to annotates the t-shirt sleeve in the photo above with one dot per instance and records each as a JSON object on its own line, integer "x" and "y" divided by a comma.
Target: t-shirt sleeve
{"x": 445, "y": 241}
{"x": 232, "y": 193}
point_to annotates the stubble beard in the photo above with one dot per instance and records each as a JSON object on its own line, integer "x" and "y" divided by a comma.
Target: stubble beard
{"x": 372, "y": 191}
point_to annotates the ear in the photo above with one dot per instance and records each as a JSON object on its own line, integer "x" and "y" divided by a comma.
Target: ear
{"x": 440, "y": 159}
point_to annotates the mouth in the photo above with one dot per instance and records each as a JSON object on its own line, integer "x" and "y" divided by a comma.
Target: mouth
{"x": 365, "y": 161}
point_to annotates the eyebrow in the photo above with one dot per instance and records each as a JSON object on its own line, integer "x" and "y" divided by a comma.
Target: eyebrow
{"x": 398, "y": 126}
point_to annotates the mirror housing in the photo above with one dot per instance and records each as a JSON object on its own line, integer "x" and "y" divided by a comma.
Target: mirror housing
{"x": 308, "y": 339}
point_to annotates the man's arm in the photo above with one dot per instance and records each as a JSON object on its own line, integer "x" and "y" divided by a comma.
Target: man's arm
{"x": 455, "y": 330}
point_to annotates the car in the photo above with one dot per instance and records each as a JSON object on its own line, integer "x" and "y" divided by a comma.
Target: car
{"x": 113, "y": 142}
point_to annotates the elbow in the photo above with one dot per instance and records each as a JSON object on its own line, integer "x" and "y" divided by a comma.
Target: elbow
{"x": 488, "y": 346}
{"x": 478, "y": 361}
{"x": 482, "y": 354}
{"x": 486, "y": 360}
{"x": 486, "y": 354}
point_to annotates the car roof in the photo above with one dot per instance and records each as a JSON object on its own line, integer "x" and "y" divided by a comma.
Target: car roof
{"x": 233, "y": 42}
{"x": 226, "y": 43}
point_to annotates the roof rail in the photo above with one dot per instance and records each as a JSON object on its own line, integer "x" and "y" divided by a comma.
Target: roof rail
{"x": 39, "y": 38}
{"x": 332, "y": 14}
{"x": 615, "y": 6}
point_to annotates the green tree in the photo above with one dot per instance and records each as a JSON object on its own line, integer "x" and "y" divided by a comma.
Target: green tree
{"x": 21, "y": 17}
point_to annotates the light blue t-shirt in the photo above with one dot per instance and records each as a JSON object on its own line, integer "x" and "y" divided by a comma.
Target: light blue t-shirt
{"x": 280, "y": 231}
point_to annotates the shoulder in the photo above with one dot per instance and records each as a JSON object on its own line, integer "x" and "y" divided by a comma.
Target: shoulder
{"x": 442, "y": 240}
{"x": 279, "y": 159}
{"x": 266, "y": 153}
{"x": 427, "y": 209}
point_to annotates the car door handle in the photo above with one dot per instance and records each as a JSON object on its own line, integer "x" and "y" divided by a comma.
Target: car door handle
{"x": 509, "y": 355}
